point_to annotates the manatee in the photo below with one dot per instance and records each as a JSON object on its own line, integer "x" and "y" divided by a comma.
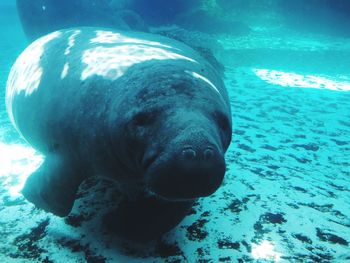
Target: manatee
{"x": 146, "y": 112}
{"x": 160, "y": 12}
{"x": 40, "y": 17}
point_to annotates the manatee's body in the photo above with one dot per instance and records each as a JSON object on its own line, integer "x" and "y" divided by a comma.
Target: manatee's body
{"x": 143, "y": 110}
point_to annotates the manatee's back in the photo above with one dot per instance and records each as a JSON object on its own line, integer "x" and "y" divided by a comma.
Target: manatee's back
{"x": 63, "y": 82}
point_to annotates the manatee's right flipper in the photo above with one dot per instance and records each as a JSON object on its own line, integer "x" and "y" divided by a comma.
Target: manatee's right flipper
{"x": 54, "y": 185}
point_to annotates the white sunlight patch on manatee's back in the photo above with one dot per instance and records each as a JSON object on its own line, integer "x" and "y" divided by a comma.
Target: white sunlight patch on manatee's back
{"x": 71, "y": 41}
{"x": 295, "y": 80}
{"x": 65, "y": 69}
{"x": 17, "y": 162}
{"x": 199, "y": 76}
{"x": 26, "y": 73}
{"x": 112, "y": 62}
{"x": 109, "y": 37}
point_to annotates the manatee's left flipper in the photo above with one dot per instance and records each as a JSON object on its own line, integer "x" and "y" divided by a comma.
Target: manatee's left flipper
{"x": 54, "y": 185}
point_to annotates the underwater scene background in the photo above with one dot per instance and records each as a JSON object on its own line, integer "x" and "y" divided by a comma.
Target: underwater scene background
{"x": 286, "y": 193}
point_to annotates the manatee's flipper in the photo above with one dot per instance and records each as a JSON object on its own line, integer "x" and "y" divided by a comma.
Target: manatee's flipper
{"x": 146, "y": 218}
{"x": 54, "y": 185}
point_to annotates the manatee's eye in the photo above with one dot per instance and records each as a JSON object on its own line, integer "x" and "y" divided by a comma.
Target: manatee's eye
{"x": 221, "y": 120}
{"x": 144, "y": 118}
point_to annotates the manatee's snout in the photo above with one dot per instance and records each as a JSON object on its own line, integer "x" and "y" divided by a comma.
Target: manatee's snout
{"x": 188, "y": 172}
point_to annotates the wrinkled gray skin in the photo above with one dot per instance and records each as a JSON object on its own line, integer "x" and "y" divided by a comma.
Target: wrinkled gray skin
{"x": 158, "y": 132}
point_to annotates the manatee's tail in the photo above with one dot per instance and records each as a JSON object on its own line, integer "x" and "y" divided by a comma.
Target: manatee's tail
{"x": 54, "y": 185}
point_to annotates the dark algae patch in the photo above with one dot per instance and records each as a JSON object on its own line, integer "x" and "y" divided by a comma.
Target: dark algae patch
{"x": 237, "y": 205}
{"x": 74, "y": 220}
{"x": 261, "y": 226}
{"x": 47, "y": 260}
{"x": 247, "y": 246}
{"x": 339, "y": 142}
{"x": 27, "y": 244}
{"x": 300, "y": 160}
{"x": 308, "y": 147}
{"x": 75, "y": 246}
{"x": 246, "y": 148}
{"x": 259, "y": 229}
{"x": 322, "y": 208}
{"x": 72, "y": 244}
{"x": 225, "y": 259}
{"x": 345, "y": 123}
{"x": 203, "y": 252}
{"x": 300, "y": 189}
{"x": 196, "y": 231}
{"x": 269, "y": 147}
{"x": 331, "y": 238}
{"x": 227, "y": 244}
{"x": 274, "y": 218}
{"x": 302, "y": 238}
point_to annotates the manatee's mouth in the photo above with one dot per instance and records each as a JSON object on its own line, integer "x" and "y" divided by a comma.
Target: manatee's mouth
{"x": 148, "y": 161}
{"x": 148, "y": 164}
{"x": 177, "y": 179}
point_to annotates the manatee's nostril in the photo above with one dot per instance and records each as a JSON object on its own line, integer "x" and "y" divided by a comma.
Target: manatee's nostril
{"x": 189, "y": 153}
{"x": 208, "y": 153}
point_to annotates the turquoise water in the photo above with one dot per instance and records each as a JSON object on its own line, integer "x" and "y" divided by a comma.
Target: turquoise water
{"x": 286, "y": 194}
